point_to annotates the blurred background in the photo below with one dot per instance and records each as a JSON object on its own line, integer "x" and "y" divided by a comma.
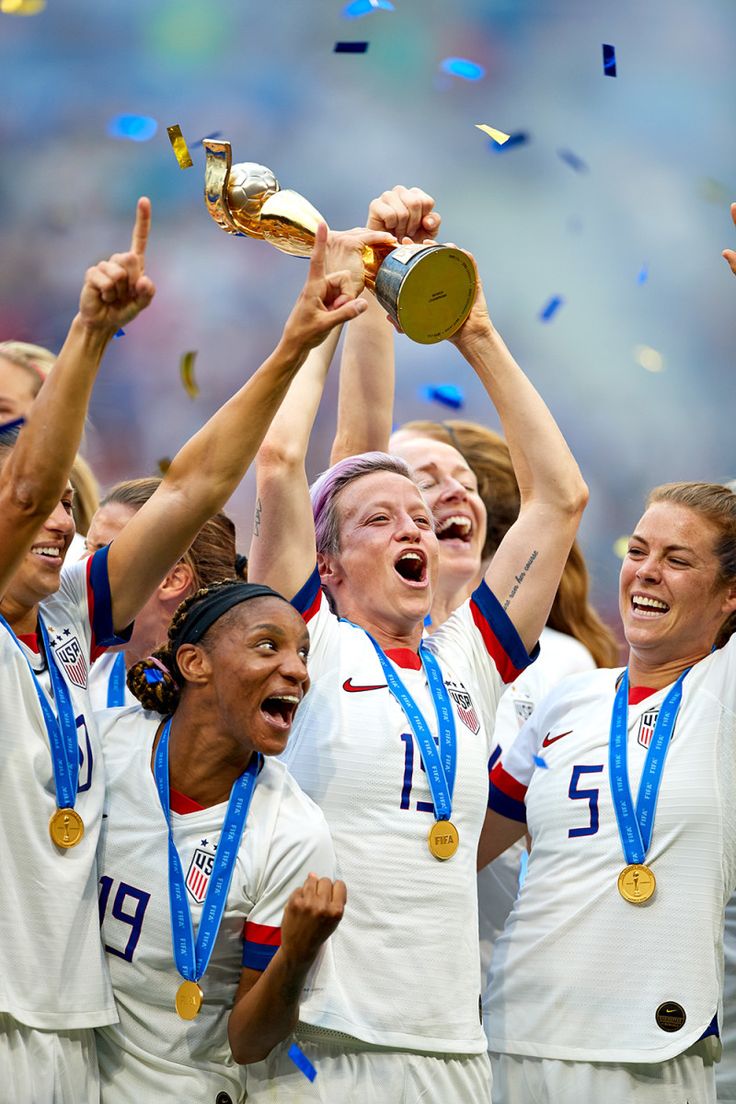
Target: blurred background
{"x": 614, "y": 198}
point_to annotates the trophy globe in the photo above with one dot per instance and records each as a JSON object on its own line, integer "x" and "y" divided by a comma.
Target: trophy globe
{"x": 249, "y": 186}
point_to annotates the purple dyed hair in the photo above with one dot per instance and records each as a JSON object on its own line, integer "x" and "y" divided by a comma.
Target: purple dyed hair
{"x": 326, "y": 489}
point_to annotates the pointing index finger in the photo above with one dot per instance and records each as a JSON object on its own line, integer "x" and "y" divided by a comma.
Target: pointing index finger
{"x": 142, "y": 226}
{"x": 317, "y": 262}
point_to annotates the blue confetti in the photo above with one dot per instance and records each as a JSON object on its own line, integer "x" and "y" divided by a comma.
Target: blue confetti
{"x": 643, "y": 274}
{"x": 120, "y": 333}
{"x": 462, "y": 67}
{"x": 208, "y": 137}
{"x": 523, "y": 867}
{"x": 540, "y": 762}
{"x": 572, "y": 160}
{"x": 364, "y": 7}
{"x": 550, "y": 310}
{"x": 301, "y": 1061}
{"x": 609, "y": 60}
{"x": 136, "y": 128}
{"x": 350, "y": 47}
{"x": 152, "y": 676}
{"x": 446, "y": 393}
{"x": 520, "y": 138}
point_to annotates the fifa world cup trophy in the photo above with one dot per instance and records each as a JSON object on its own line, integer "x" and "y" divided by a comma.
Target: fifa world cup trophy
{"x": 427, "y": 290}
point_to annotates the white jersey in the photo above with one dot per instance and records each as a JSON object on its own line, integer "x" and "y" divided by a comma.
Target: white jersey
{"x": 726, "y": 1068}
{"x": 579, "y": 973}
{"x": 559, "y": 655}
{"x": 107, "y": 685}
{"x": 406, "y": 952}
{"x": 52, "y": 972}
{"x": 151, "y": 1052}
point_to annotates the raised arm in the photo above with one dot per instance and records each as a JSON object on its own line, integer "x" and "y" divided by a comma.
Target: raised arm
{"x": 730, "y": 254}
{"x": 266, "y": 1006}
{"x": 206, "y": 471}
{"x": 526, "y": 569}
{"x": 366, "y": 396}
{"x": 36, "y": 470}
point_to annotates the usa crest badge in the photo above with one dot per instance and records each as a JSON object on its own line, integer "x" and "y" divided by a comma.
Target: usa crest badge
{"x": 523, "y": 710}
{"x": 73, "y": 660}
{"x": 464, "y": 706}
{"x": 647, "y": 724}
{"x": 198, "y": 875}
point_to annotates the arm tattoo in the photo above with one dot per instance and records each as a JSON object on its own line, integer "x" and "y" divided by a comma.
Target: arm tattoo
{"x": 520, "y": 578}
{"x": 257, "y": 518}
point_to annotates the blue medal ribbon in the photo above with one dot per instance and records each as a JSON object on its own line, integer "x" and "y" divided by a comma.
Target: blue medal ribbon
{"x": 116, "y": 682}
{"x": 192, "y": 960}
{"x": 636, "y": 823}
{"x": 61, "y": 725}
{"x": 439, "y": 762}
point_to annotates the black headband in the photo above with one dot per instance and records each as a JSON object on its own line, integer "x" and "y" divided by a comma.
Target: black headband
{"x": 202, "y": 614}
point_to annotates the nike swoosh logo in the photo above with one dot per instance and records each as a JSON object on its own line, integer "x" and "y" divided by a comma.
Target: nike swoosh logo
{"x": 348, "y": 685}
{"x": 551, "y": 740}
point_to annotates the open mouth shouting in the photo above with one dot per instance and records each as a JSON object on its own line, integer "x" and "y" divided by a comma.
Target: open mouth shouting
{"x": 643, "y": 605}
{"x": 279, "y": 709}
{"x": 411, "y": 566}
{"x": 457, "y": 527}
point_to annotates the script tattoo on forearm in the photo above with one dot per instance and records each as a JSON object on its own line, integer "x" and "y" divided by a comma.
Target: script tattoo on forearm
{"x": 520, "y": 579}
{"x": 257, "y": 519}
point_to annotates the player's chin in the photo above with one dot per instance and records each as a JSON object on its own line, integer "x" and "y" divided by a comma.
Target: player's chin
{"x": 270, "y": 735}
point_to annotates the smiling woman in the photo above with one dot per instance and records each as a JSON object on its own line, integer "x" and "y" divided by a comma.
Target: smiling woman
{"x": 228, "y": 684}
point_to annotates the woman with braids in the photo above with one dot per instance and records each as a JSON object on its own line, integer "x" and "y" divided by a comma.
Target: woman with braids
{"x": 55, "y": 620}
{"x": 210, "y": 557}
{"x": 208, "y": 961}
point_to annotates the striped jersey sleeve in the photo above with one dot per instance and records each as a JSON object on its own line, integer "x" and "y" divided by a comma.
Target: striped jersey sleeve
{"x": 510, "y": 778}
{"x": 86, "y": 584}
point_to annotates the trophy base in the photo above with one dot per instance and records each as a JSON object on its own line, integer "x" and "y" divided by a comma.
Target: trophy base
{"x": 427, "y": 290}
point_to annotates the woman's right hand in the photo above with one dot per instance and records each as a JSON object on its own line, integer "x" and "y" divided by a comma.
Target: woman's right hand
{"x": 311, "y": 915}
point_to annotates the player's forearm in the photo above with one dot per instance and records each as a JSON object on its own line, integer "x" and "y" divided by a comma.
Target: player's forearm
{"x": 365, "y": 401}
{"x": 545, "y": 469}
{"x": 287, "y": 440}
{"x": 269, "y": 1011}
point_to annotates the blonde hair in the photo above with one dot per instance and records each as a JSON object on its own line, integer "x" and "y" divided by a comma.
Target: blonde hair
{"x": 36, "y": 360}
{"x": 487, "y": 453}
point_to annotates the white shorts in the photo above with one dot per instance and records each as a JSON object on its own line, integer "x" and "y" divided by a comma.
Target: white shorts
{"x": 687, "y": 1079}
{"x": 47, "y": 1067}
{"x": 351, "y": 1075}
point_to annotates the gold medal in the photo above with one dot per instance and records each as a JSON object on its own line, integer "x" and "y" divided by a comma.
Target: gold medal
{"x": 443, "y": 839}
{"x": 636, "y": 883}
{"x": 66, "y": 828}
{"x": 189, "y": 999}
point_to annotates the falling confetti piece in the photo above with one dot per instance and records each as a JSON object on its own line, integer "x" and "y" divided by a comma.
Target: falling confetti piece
{"x": 520, "y": 138}
{"x": 540, "y": 762}
{"x": 462, "y": 67}
{"x": 523, "y": 867}
{"x": 496, "y": 135}
{"x": 550, "y": 310}
{"x": 621, "y": 547}
{"x": 22, "y": 7}
{"x": 164, "y": 464}
{"x": 179, "y": 146}
{"x": 364, "y": 7}
{"x": 649, "y": 358}
{"x": 120, "y": 333}
{"x": 350, "y": 47}
{"x": 609, "y": 60}
{"x": 572, "y": 160}
{"x": 447, "y": 394}
{"x": 643, "y": 275}
{"x": 186, "y": 371}
{"x": 135, "y": 128}
{"x": 301, "y": 1061}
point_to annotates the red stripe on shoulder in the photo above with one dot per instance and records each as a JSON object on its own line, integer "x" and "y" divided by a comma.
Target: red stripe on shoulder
{"x": 262, "y": 933}
{"x": 507, "y": 784}
{"x": 313, "y": 609}
{"x": 506, "y": 669}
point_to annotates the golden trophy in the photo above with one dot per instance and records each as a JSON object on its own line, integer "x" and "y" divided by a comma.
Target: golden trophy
{"x": 427, "y": 290}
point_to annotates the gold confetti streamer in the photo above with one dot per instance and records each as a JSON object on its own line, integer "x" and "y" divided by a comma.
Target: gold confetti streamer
{"x": 650, "y": 359}
{"x": 186, "y": 370}
{"x": 164, "y": 464}
{"x": 621, "y": 547}
{"x": 179, "y": 146}
{"x": 22, "y": 7}
{"x": 496, "y": 135}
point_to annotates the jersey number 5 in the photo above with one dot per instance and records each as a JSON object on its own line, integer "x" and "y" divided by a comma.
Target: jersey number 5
{"x": 591, "y": 796}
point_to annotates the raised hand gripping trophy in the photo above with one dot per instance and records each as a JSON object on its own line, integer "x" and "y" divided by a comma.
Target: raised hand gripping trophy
{"x": 427, "y": 290}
